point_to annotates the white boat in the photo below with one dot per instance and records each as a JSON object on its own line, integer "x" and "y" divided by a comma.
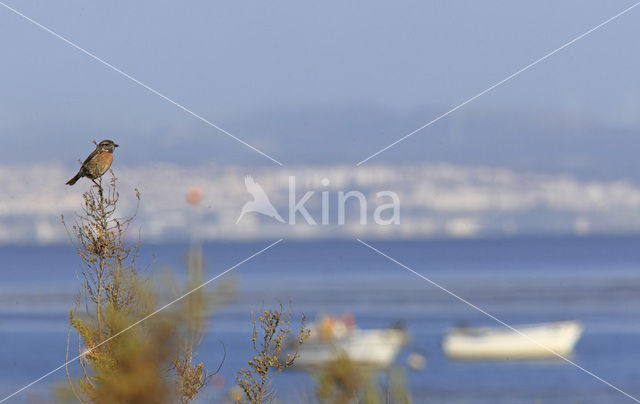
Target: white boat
{"x": 332, "y": 338}
{"x": 503, "y": 343}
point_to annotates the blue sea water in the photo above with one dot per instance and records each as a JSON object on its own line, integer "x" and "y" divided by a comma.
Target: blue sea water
{"x": 522, "y": 280}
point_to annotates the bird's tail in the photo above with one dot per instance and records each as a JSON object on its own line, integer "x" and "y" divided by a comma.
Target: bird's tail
{"x": 74, "y": 179}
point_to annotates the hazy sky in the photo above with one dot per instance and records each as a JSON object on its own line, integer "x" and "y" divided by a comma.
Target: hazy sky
{"x": 236, "y": 61}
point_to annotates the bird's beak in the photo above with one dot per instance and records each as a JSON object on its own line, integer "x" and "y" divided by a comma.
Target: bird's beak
{"x": 115, "y": 145}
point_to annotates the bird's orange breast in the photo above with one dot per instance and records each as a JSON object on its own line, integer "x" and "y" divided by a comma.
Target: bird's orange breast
{"x": 99, "y": 164}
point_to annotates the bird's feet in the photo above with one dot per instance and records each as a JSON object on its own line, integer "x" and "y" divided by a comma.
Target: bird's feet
{"x": 99, "y": 187}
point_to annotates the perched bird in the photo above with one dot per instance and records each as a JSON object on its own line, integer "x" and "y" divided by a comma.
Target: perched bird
{"x": 260, "y": 203}
{"x": 97, "y": 163}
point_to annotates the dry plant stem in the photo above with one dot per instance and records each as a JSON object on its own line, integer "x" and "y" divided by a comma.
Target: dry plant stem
{"x": 111, "y": 289}
{"x": 66, "y": 368}
{"x": 103, "y": 228}
{"x": 131, "y": 368}
{"x": 275, "y": 325}
{"x": 191, "y": 378}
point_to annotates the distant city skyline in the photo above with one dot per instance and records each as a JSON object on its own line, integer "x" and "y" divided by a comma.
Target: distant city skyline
{"x": 435, "y": 201}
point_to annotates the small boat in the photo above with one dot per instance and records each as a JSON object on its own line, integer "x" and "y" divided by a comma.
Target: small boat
{"x": 332, "y": 338}
{"x": 503, "y": 343}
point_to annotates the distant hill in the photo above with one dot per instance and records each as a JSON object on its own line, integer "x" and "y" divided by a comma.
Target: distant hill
{"x": 536, "y": 141}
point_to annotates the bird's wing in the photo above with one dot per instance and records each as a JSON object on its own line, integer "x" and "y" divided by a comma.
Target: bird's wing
{"x": 254, "y": 189}
{"x": 93, "y": 153}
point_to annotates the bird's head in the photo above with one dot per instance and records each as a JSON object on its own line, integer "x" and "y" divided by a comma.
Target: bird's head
{"x": 107, "y": 146}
